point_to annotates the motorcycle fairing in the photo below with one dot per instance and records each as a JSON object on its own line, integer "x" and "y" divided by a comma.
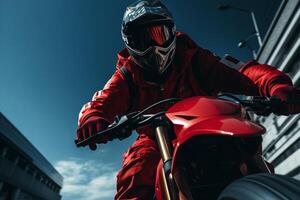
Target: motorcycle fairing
{"x": 207, "y": 116}
{"x": 201, "y": 118}
{"x": 210, "y": 116}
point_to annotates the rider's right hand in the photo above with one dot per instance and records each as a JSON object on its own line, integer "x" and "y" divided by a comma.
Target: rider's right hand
{"x": 285, "y": 94}
{"x": 90, "y": 127}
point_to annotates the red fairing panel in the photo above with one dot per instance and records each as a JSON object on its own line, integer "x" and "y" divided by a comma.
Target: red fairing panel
{"x": 198, "y": 116}
{"x": 158, "y": 182}
{"x": 206, "y": 115}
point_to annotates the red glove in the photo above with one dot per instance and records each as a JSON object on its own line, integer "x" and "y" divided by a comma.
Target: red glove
{"x": 90, "y": 127}
{"x": 288, "y": 93}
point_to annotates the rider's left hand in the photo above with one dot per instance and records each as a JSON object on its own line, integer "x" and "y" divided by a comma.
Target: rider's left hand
{"x": 285, "y": 94}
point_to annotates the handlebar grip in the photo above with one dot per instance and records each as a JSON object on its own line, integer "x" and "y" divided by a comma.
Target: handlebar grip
{"x": 90, "y": 140}
{"x": 267, "y": 105}
{"x": 111, "y": 133}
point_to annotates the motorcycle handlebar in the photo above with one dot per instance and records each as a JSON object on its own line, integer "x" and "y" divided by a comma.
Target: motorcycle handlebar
{"x": 122, "y": 126}
{"x": 266, "y": 105}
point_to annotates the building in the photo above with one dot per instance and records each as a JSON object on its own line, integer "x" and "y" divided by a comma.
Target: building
{"x": 24, "y": 172}
{"x": 281, "y": 48}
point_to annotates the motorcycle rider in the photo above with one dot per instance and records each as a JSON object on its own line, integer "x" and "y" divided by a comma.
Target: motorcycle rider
{"x": 164, "y": 63}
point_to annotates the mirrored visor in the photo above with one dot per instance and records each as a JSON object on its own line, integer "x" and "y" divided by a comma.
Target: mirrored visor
{"x": 156, "y": 35}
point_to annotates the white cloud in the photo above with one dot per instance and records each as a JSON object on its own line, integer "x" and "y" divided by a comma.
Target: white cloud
{"x": 87, "y": 180}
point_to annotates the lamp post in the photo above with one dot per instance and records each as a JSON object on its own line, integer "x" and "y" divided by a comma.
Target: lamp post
{"x": 228, "y": 7}
{"x": 243, "y": 43}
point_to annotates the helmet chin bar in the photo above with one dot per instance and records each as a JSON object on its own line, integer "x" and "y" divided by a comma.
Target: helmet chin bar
{"x": 162, "y": 57}
{"x": 156, "y": 59}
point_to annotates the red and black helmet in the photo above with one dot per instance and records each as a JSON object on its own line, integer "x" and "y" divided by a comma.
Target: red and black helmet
{"x": 148, "y": 31}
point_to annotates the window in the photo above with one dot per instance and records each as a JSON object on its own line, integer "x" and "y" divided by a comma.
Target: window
{"x": 22, "y": 163}
{"x": 2, "y": 146}
{"x": 11, "y": 155}
{"x": 38, "y": 176}
{"x": 6, "y": 191}
{"x": 31, "y": 170}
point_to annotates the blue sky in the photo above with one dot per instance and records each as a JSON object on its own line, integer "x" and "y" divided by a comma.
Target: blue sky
{"x": 55, "y": 54}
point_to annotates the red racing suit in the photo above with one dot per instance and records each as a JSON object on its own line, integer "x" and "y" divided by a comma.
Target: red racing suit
{"x": 194, "y": 71}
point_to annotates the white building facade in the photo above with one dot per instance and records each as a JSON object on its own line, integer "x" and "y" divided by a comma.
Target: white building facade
{"x": 281, "y": 48}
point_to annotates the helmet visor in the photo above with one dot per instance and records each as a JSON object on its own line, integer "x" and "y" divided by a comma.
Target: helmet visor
{"x": 142, "y": 38}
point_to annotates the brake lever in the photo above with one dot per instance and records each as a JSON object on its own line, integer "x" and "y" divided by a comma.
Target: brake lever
{"x": 129, "y": 123}
{"x": 125, "y": 131}
{"x": 109, "y": 132}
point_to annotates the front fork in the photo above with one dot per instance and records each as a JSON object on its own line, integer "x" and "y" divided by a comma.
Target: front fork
{"x": 174, "y": 185}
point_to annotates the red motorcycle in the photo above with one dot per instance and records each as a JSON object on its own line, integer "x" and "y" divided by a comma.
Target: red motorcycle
{"x": 210, "y": 149}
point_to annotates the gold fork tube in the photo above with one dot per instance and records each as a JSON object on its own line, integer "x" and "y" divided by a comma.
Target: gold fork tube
{"x": 163, "y": 143}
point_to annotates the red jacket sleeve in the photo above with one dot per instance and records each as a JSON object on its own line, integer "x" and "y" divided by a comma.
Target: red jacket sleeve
{"x": 112, "y": 100}
{"x": 252, "y": 79}
{"x": 267, "y": 78}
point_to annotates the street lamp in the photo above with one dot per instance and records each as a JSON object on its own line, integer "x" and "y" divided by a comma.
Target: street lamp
{"x": 228, "y": 7}
{"x": 244, "y": 43}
